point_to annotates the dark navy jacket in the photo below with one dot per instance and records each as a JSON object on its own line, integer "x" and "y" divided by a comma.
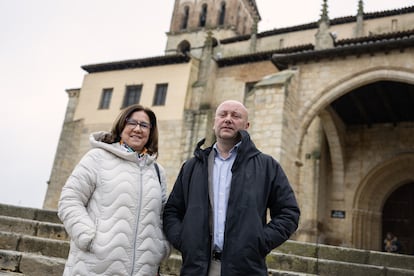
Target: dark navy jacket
{"x": 258, "y": 183}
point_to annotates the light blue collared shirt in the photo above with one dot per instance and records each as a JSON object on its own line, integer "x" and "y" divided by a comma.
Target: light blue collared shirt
{"x": 221, "y": 189}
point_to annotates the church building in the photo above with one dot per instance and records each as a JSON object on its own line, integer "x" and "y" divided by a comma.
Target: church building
{"x": 331, "y": 100}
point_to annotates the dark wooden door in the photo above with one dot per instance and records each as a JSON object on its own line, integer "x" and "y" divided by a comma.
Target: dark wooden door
{"x": 398, "y": 217}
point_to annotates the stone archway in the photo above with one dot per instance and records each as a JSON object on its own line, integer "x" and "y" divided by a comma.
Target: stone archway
{"x": 313, "y": 106}
{"x": 371, "y": 195}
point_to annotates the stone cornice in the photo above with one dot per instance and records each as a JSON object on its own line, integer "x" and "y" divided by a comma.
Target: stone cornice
{"x": 346, "y": 47}
{"x": 136, "y": 63}
{"x": 260, "y": 56}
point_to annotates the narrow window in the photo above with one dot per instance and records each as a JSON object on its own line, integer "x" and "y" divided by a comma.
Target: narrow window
{"x": 105, "y": 98}
{"x": 238, "y": 16}
{"x": 203, "y": 15}
{"x": 281, "y": 43}
{"x": 184, "y": 23}
{"x": 160, "y": 94}
{"x": 222, "y": 14}
{"x": 132, "y": 95}
{"x": 394, "y": 25}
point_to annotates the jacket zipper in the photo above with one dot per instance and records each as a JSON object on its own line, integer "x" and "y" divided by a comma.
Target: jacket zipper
{"x": 140, "y": 184}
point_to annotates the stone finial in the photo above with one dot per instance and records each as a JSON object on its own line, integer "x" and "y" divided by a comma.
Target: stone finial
{"x": 255, "y": 24}
{"x": 323, "y": 38}
{"x": 359, "y": 28}
{"x": 360, "y": 8}
{"x": 324, "y": 14}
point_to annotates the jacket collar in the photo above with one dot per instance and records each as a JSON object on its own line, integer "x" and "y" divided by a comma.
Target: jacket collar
{"x": 246, "y": 150}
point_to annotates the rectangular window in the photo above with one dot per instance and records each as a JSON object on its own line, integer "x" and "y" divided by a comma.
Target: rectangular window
{"x": 160, "y": 94}
{"x": 132, "y": 95}
{"x": 105, "y": 98}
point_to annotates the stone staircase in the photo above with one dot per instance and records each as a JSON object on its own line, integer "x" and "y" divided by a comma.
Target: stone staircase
{"x": 33, "y": 242}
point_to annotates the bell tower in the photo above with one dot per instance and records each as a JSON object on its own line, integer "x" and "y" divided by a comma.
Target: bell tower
{"x": 193, "y": 19}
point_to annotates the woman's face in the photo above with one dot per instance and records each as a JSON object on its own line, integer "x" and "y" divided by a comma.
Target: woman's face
{"x": 137, "y": 130}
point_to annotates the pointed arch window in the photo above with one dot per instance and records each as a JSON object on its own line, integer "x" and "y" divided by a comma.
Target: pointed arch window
{"x": 203, "y": 16}
{"x": 184, "y": 47}
{"x": 222, "y": 14}
{"x": 186, "y": 14}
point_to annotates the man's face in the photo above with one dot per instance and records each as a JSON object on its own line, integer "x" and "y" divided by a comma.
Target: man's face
{"x": 231, "y": 116}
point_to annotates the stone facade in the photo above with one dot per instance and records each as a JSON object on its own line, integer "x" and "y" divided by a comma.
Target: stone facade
{"x": 288, "y": 79}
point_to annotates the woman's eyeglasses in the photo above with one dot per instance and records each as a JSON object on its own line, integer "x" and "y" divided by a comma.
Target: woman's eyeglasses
{"x": 132, "y": 124}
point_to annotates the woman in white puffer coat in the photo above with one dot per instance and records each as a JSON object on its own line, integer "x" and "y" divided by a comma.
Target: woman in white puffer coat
{"x": 111, "y": 205}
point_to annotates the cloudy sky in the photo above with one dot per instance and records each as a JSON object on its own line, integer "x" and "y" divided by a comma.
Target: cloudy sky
{"x": 44, "y": 43}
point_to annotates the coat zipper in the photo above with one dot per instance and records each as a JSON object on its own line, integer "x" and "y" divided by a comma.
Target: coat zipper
{"x": 140, "y": 184}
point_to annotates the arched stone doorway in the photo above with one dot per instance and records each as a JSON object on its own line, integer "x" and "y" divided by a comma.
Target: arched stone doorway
{"x": 398, "y": 216}
{"x": 313, "y": 106}
{"x": 373, "y": 193}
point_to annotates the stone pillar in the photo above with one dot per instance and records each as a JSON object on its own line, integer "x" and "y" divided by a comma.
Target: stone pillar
{"x": 66, "y": 153}
{"x": 198, "y": 117}
{"x": 312, "y": 228}
{"x": 253, "y": 36}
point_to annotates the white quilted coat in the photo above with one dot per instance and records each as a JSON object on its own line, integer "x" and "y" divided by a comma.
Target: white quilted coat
{"x": 111, "y": 207}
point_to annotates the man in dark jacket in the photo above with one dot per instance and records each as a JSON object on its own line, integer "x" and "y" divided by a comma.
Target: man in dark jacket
{"x": 216, "y": 214}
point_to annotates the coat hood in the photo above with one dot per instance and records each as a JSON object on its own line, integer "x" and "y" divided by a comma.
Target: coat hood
{"x": 116, "y": 148}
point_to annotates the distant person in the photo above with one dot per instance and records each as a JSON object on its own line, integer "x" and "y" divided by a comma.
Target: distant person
{"x": 112, "y": 203}
{"x": 391, "y": 243}
{"x": 216, "y": 214}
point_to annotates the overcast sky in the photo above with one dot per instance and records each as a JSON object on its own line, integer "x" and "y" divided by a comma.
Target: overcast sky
{"x": 43, "y": 43}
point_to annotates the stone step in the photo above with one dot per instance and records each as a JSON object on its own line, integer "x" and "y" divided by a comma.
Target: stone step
{"x": 318, "y": 266}
{"x": 9, "y": 273}
{"x": 31, "y": 227}
{"x": 41, "y": 246}
{"x": 275, "y": 272}
{"x": 328, "y": 267}
{"x": 29, "y": 213}
{"x": 30, "y": 264}
{"x": 392, "y": 260}
{"x": 343, "y": 254}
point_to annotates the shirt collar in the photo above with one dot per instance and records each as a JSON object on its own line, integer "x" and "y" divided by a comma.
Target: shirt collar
{"x": 233, "y": 149}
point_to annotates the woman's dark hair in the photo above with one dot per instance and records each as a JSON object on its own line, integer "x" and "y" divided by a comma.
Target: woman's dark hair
{"x": 119, "y": 125}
